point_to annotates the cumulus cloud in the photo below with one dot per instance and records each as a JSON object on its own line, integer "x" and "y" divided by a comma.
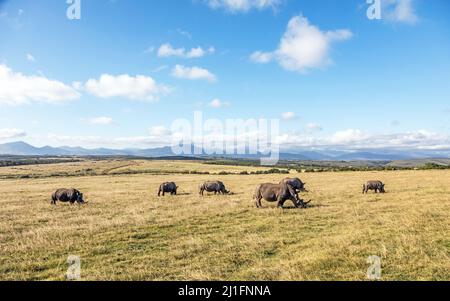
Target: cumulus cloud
{"x": 354, "y": 139}
{"x": 166, "y": 50}
{"x": 138, "y": 87}
{"x": 401, "y": 11}
{"x": 303, "y": 46}
{"x": 11, "y": 134}
{"x": 348, "y": 136}
{"x": 217, "y": 103}
{"x": 193, "y": 73}
{"x": 17, "y": 88}
{"x": 242, "y": 5}
{"x": 351, "y": 139}
{"x": 101, "y": 121}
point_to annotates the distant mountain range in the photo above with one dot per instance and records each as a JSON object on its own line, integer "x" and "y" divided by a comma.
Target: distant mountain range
{"x": 24, "y": 149}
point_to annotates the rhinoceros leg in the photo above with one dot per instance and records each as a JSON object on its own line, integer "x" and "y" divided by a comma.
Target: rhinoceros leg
{"x": 281, "y": 202}
{"x": 258, "y": 202}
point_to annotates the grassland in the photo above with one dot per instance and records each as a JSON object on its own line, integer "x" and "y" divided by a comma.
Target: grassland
{"x": 126, "y": 233}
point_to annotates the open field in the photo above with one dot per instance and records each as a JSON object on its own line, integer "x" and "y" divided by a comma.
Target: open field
{"x": 127, "y": 233}
{"x": 86, "y": 167}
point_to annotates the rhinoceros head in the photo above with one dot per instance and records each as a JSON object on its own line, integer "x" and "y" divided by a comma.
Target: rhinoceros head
{"x": 80, "y": 198}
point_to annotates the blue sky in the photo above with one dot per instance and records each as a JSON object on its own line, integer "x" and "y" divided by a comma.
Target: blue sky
{"x": 332, "y": 76}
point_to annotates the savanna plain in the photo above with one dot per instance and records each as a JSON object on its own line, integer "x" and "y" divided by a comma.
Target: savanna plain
{"x": 125, "y": 232}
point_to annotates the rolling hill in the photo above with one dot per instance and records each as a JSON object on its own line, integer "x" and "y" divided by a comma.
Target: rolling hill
{"x": 24, "y": 149}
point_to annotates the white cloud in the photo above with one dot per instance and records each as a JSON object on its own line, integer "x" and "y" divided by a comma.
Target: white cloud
{"x": 401, "y": 11}
{"x": 166, "y": 50}
{"x": 289, "y": 116}
{"x": 11, "y": 134}
{"x": 145, "y": 141}
{"x": 352, "y": 139}
{"x": 348, "y": 136}
{"x": 303, "y": 46}
{"x": 196, "y": 53}
{"x": 261, "y": 57}
{"x": 101, "y": 121}
{"x": 30, "y": 57}
{"x": 159, "y": 131}
{"x": 138, "y": 87}
{"x": 17, "y": 88}
{"x": 242, "y": 5}
{"x": 217, "y": 103}
{"x": 193, "y": 73}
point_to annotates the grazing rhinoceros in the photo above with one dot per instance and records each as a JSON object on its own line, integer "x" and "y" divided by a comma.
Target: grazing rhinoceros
{"x": 378, "y": 186}
{"x": 213, "y": 186}
{"x": 168, "y": 187}
{"x": 67, "y": 195}
{"x": 277, "y": 193}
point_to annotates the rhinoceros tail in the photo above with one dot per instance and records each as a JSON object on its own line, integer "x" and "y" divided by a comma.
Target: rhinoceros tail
{"x": 257, "y": 193}
{"x": 54, "y": 198}
{"x": 160, "y": 190}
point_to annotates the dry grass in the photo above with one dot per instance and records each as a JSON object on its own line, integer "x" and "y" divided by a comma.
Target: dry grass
{"x": 127, "y": 233}
{"x": 116, "y": 167}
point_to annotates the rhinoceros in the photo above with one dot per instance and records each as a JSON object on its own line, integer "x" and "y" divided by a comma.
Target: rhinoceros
{"x": 213, "y": 186}
{"x": 168, "y": 187}
{"x": 277, "y": 193}
{"x": 378, "y": 186}
{"x": 67, "y": 195}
